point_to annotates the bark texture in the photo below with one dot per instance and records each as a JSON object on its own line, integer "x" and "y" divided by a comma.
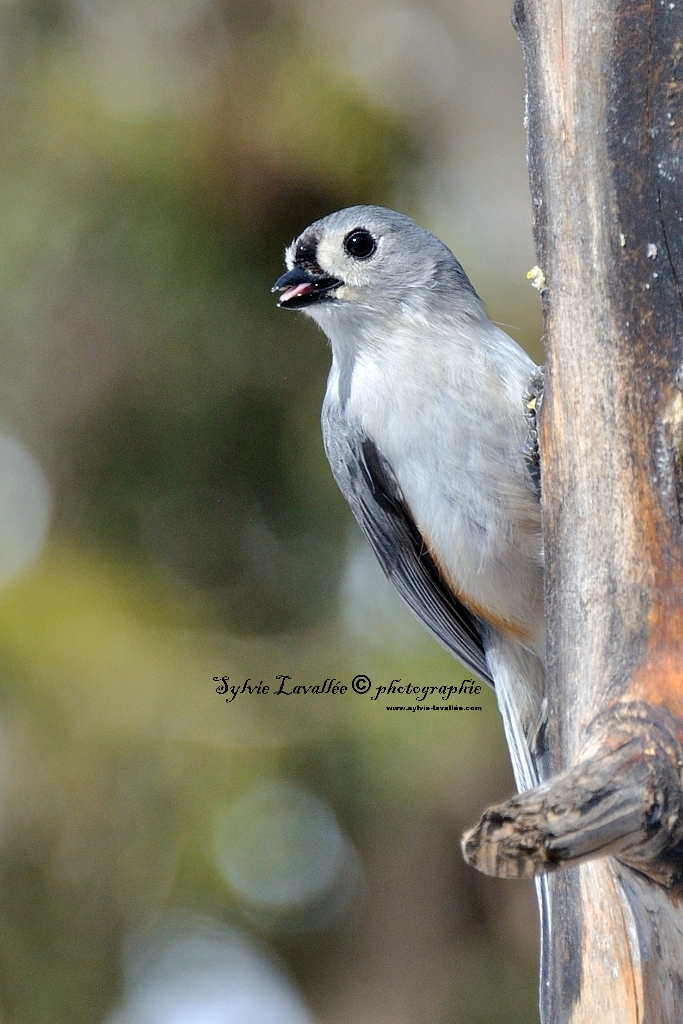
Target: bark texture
{"x": 605, "y": 129}
{"x": 605, "y": 140}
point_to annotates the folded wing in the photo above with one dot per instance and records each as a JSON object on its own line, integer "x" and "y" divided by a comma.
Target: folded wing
{"x": 369, "y": 486}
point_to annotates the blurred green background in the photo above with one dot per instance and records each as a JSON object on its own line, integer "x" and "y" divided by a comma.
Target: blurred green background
{"x": 167, "y": 516}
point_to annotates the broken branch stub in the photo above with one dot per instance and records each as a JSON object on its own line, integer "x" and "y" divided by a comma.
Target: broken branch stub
{"x": 623, "y": 797}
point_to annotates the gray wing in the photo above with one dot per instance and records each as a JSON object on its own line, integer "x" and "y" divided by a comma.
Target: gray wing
{"x": 368, "y": 484}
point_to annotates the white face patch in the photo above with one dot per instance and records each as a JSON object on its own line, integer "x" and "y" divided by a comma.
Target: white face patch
{"x": 333, "y": 260}
{"x": 330, "y": 255}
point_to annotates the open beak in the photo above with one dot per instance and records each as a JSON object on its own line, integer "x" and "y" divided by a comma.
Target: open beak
{"x": 301, "y": 287}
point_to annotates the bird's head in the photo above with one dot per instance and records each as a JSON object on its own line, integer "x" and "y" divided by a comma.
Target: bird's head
{"x": 372, "y": 261}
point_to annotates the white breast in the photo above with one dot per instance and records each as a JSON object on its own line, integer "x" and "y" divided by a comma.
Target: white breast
{"x": 446, "y": 412}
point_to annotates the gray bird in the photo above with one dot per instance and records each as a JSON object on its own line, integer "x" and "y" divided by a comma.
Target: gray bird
{"x": 425, "y": 430}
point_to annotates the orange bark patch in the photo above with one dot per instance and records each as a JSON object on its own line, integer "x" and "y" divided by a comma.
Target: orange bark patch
{"x": 659, "y": 680}
{"x": 659, "y": 677}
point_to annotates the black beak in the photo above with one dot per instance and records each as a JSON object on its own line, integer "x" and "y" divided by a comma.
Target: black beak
{"x": 302, "y": 287}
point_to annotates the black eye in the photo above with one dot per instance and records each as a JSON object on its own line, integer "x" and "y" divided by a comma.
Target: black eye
{"x": 360, "y": 244}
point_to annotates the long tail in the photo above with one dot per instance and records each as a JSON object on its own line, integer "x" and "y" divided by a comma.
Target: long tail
{"x": 519, "y": 681}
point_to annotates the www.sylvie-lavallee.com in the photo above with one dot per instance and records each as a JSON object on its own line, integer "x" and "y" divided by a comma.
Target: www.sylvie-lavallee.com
{"x": 361, "y": 685}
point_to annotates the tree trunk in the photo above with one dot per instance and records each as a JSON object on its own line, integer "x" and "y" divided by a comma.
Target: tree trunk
{"x": 605, "y": 140}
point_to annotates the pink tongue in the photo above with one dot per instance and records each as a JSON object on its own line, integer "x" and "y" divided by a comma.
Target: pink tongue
{"x": 298, "y": 289}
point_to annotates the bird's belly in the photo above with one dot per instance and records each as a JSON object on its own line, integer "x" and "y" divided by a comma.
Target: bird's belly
{"x": 467, "y": 531}
{"x": 459, "y": 464}
{"x": 479, "y": 521}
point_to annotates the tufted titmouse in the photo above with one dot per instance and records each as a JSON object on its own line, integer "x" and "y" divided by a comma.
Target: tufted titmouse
{"x": 425, "y": 430}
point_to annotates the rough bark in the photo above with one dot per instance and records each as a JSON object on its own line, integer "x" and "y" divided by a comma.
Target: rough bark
{"x": 605, "y": 140}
